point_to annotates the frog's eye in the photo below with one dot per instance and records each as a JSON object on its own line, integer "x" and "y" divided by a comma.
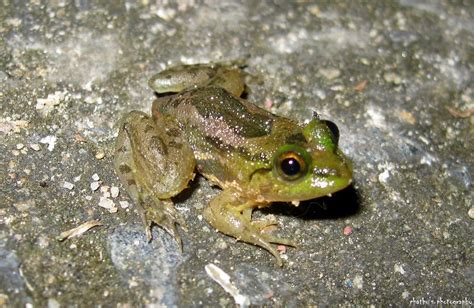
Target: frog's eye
{"x": 334, "y": 130}
{"x": 291, "y": 163}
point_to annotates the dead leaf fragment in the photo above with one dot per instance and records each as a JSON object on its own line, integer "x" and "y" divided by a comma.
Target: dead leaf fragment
{"x": 407, "y": 117}
{"x": 361, "y": 85}
{"x": 460, "y": 114}
{"x": 74, "y": 232}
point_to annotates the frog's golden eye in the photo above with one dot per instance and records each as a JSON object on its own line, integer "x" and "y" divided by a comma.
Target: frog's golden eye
{"x": 291, "y": 163}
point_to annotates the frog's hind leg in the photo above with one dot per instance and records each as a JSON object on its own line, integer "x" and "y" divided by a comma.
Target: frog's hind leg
{"x": 153, "y": 165}
{"x": 224, "y": 214}
{"x": 229, "y": 78}
{"x": 179, "y": 78}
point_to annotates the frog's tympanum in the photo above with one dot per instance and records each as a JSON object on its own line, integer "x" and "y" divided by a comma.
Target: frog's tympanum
{"x": 254, "y": 156}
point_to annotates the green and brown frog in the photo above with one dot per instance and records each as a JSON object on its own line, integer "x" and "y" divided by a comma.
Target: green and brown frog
{"x": 254, "y": 156}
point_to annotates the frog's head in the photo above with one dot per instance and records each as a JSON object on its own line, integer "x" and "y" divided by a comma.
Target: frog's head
{"x": 306, "y": 170}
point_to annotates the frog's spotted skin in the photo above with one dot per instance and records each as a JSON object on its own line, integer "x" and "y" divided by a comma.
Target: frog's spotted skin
{"x": 254, "y": 156}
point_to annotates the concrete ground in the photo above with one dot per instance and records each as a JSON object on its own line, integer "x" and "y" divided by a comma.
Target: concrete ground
{"x": 396, "y": 77}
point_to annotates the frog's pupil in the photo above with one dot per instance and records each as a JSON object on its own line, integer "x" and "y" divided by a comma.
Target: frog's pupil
{"x": 290, "y": 166}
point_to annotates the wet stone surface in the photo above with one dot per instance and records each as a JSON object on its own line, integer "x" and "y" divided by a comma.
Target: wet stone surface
{"x": 395, "y": 76}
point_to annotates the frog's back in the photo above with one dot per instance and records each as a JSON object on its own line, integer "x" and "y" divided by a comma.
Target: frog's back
{"x": 225, "y": 132}
{"x": 202, "y": 107}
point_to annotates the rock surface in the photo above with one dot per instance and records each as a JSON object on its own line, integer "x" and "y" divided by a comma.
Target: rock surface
{"x": 396, "y": 77}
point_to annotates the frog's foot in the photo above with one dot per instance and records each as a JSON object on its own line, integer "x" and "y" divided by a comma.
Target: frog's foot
{"x": 162, "y": 213}
{"x": 221, "y": 214}
{"x": 265, "y": 225}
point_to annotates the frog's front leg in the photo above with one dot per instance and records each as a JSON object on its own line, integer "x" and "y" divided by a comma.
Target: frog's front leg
{"x": 154, "y": 164}
{"x": 226, "y": 213}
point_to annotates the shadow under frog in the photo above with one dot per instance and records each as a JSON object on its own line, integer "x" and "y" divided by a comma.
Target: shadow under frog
{"x": 204, "y": 126}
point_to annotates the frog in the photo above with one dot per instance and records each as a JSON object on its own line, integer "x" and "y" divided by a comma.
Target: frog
{"x": 200, "y": 124}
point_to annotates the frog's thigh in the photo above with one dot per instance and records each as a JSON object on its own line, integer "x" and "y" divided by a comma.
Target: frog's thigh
{"x": 179, "y": 78}
{"x": 221, "y": 213}
{"x": 153, "y": 166}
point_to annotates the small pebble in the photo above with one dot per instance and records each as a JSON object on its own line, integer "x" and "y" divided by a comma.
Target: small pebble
{"x": 50, "y": 141}
{"x": 100, "y": 154}
{"x": 281, "y": 248}
{"x": 20, "y": 146}
{"x": 23, "y": 206}
{"x": 124, "y": 204}
{"x": 347, "y": 230}
{"x": 383, "y": 177}
{"x": 36, "y": 147}
{"x": 471, "y": 212}
{"x": 392, "y": 78}
{"x": 330, "y": 73}
{"x": 268, "y": 103}
{"x": 68, "y": 185}
{"x": 114, "y": 191}
{"x": 95, "y": 177}
{"x": 358, "y": 282}
{"x": 95, "y": 185}
{"x": 108, "y": 204}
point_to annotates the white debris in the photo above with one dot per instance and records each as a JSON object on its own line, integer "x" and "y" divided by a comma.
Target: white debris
{"x": 166, "y": 13}
{"x": 375, "y": 117}
{"x": 124, "y": 204}
{"x": 384, "y": 176}
{"x": 330, "y": 73}
{"x": 221, "y": 277}
{"x": 79, "y": 230}
{"x": 8, "y": 125}
{"x": 50, "y": 141}
{"x": 95, "y": 185}
{"x": 20, "y": 146}
{"x": 114, "y": 191}
{"x": 358, "y": 282}
{"x": 399, "y": 269}
{"x": 95, "y": 177}
{"x": 36, "y": 147}
{"x": 68, "y": 185}
{"x": 108, "y": 204}
{"x": 46, "y": 105}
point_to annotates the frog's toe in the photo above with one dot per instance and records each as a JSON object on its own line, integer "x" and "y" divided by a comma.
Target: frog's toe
{"x": 167, "y": 223}
{"x": 170, "y": 227}
{"x": 279, "y": 241}
{"x": 264, "y": 224}
{"x": 166, "y": 216}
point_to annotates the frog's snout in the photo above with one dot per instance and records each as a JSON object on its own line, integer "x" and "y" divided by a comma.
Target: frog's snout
{"x": 335, "y": 173}
{"x": 340, "y": 170}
